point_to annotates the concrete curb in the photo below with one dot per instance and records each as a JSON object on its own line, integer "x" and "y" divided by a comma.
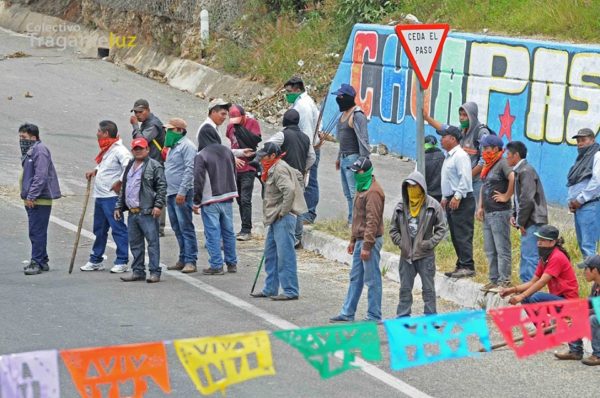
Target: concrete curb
{"x": 463, "y": 292}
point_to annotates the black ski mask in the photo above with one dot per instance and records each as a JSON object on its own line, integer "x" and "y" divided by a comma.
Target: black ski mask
{"x": 345, "y": 102}
{"x": 545, "y": 252}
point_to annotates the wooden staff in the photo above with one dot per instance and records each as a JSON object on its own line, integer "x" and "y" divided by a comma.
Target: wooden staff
{"x": 85, "y": 203}
{"x": 531, "y": 334}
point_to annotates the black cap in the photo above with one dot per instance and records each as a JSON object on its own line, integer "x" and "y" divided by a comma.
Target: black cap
{"x": 269, "y": 148}
{"x": 140, "y": 105}
{"x": 590, "y": 262}
{"x": 547, "y": 232}
{"x": 451, "y": 130}
{"x": 362, "y": 163}
{"x": 430, "y": 139}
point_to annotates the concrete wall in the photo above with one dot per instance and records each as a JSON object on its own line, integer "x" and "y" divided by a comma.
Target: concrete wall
{"x": 533, "y": 91}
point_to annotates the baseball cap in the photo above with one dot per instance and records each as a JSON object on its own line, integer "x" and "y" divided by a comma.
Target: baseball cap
{"x": 590, "y": 262}
{"x": 430, "y": 139}
{"x": 345, "y": 89}
{"x": 547, "y": 232}
{"x": 235, "y": 114}
{"x": 139, "y": 142}
{"x": 584, "y": 133}
{"x": 491, "y": 140}
{"x": 362, "y": 163}
{"x": 176, "y": 123}
{"x": 450, "y": 130}
{"x": 269, "y": 148}
{"x": 140, "y": 105}
{"x": 218, "y": 102}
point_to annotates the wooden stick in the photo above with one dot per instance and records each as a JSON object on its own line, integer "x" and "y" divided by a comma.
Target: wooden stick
{"x": 85, "y": 204}
{"x": 531, "y": 334}
{"x": 264, "y": 100}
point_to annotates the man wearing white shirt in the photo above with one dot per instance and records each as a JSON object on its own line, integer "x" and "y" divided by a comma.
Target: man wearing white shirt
{"x": 112, "y": 160}
{"x": 458, "y": 201}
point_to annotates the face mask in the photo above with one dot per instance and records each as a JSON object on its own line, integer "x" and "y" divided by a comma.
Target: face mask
{"x": 489, "y": 156}
{"x": 291, "y": 97}
{"x": 464, "y": 124}
{"x": 172, "y": 137}
{"x": 429, "y": 146}
{"x": 416, "y": 198}
{"x": 345, "y": 102}
{"x": 25, "y": 146}
{"x": 363, "y": 180}
{"x": 544, "y": 252}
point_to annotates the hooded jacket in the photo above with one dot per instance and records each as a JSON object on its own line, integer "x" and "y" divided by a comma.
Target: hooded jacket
{"x": 39, "y": 175}
{"x": 152, "y": 130}
{"x": 471, "y": 139}
{"x": 432, "y": 224}
{"x": 214, "y": 175}
{"x": 284, "y": 193}
{"x": 434, "y": 159}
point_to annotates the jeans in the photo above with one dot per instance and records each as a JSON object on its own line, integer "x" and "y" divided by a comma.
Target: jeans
{"x": 529, "y": 253}
{"x": 245, "y": 184}
{"x": 142, "y": 227}
{"x": 311, "y": 193}
{"x": 496, "y": 242}
{"x": 425, "y": 267}
{"x": 348, "y": 182}
{"x": 218, "y": 227}
{"x": 38, "y": 218}
{"x": 577, "y": 345}
{"x": 460, "y": 223}
{"x": 280, "y": 258}
{"x": 477, "y": 184}
{"x": 162, "y": 221}
{"x": 540, "y": 297}
{"x": 104, "y": 210}
{"x": 183, "y": 227}
{"x": 365, "y": 273}
{"x": 587, "y": 227}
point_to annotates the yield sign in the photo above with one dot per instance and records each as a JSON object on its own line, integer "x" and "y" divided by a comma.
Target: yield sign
{"x": 423, "y": 44}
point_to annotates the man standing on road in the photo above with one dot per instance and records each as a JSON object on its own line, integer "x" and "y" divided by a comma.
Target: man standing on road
{"x": 143, "y": 195}
{"x": 112, "y": 160}
{"x": 179, "y": 173}
{"x": 297, "y": 96}
{"x": 418, "y": 226}
{"x": 208, "y": 133}
{"x": 458, "y": 201}
{"x": 529, "y": 211}
{"x": 365, "y": 244}
{"x": 354, "y": 140}
{"x": 434, "y": 159}
{"x": 494, "y": 211}
{"x": 583, "y": 181}
{"x": 152, "y": 130}
{"x": 282, "y": 203}
{"x": 243, "y": 132}
{"x": 39, "y": 187}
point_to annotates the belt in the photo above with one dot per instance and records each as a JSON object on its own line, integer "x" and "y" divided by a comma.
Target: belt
{"x": 346, "y": 154}
{"x": 591, "y": 201}
{"x": 135, "y": 210}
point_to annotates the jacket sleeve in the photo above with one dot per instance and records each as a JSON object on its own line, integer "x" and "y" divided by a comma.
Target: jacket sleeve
{"x": 286, "y": 185}
{"x": 199, "y": 179}
{"x": 527, "y": 190}
{"x": 160, "y": 187}
{"x": 41, "y": 165}
{"x": 311, "y": 158}
{"x": 362, "y": 133}
{"x": 395, "y": 231}
{"x": 120, "y": 205}
{"x": 440, "y": 227}
{"x": 374, "y": 218}
{"x": 149, "y": 133}
{"x": 187, "y": 179}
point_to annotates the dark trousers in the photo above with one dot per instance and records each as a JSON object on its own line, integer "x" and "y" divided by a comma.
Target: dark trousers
{"x": 245, "y": 184}
{"x": 461, "y": 223}
{"x": 39, "y": 217}
{"x": 141, "y": 228}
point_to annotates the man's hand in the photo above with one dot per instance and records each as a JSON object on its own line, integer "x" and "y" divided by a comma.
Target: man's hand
{"x": 479, "y": 214}
{"x": 156, "y": 212}
{"x": 133, "y": 120}
{"x": 350, "y": 248}
{"x": 365, "y": 254}
{"x": 505, "y": 291}
{"x": 117, "y": 215}
{"x": 180, "y": 200}
{"x": 500, "y": 197}
{"x": 514, "y": 300}
{"x": 248, "y": 152}
{"x": 337, "y": 164}
{"x": 513, "y": 222}
{"x": 444, "y": 203}
{"x": 523, "y": 231}
{"x": 116, "y": 187}
{"x": 425, "y": 114}
{"x": 574, "y": 205}
{"x": 454, "y": 203}
{"x": 29, "y": 203}
{"x": 239, "y": 163}
{"x": 90, "y": 174}
{"x": 196, "y": 209}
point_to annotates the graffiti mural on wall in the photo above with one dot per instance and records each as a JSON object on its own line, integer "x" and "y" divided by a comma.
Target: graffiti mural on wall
{"x": 538, "y": 92}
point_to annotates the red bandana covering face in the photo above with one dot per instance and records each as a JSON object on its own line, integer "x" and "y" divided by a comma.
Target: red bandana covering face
{"x": 267, "y": 164}
{"x": 105, "y": 144}
{"x": 490, "y": 159}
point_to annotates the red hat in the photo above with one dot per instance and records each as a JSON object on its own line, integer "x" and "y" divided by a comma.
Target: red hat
{"x": 139, "y": 142}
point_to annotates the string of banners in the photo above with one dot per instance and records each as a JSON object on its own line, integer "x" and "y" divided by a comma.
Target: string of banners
{"x": 214, "y": 363}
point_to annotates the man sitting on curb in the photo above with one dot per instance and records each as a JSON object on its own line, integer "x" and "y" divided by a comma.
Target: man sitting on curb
{"x": 365, "y": 244}
{"x": 591, "y": 267}
{"x": 418, "y": 226}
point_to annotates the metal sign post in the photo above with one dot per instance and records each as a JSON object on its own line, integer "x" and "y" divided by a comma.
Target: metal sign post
{"x": 420, "y": 131}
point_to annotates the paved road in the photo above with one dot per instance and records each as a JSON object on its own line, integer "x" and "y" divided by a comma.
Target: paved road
{"x": 70, "y": 96}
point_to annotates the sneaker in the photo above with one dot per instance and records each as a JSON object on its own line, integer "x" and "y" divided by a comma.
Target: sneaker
{"x": 213, "y": 271}
{"x": 463, "y": 273}
{"x": 242, "y": 237}
{"x": 154, "y": 278}
{"x": 189, "y": 268}
{"x": 340, "y": 319}
{"x": 592, "y": 360}
{"x": 568, "y": 356}
{"x": 283, "y": 297}
{"x": 501, "y": 285}
{"x": 119, "y": 268}
{"x": 134, "y": 277}
{"x": 45, "y": 267}
{"x": 486, "y": 288}
{"x": 232, "y": 269}
{"x": 449, "y": 273}
{"x": 89, "y": 266}
{"x": 177, "y": 267}
{"x": 33, "y": 269}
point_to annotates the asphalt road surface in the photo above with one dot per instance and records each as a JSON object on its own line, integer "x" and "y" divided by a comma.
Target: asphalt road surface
{"x": 56, "y": 310}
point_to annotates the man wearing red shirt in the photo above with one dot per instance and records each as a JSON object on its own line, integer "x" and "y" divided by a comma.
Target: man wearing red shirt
{"x": 554, "y": 270}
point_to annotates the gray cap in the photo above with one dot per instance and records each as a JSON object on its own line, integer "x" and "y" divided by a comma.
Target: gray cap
{"x": 140, "y": 105}
{"x": 585, "y": 133}
{"x": 590, "y": 262}
{"x": 547, "y": 232}
{"x": 218, "y": 102}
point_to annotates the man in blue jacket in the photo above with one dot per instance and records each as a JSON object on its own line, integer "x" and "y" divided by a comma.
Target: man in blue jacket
{"x": 39, "y": 186}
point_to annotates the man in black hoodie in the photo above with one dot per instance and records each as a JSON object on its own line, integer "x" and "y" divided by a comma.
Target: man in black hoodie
{"x": 434, "y": 159}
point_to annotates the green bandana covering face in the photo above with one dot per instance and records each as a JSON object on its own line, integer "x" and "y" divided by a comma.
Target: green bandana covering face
{"x": 291, "y": 97}
{"x": 464, "y": 124}
{"x": 363, "y": 180}
{"x": 172, "y": 137}
{"x": 428, "y": 146}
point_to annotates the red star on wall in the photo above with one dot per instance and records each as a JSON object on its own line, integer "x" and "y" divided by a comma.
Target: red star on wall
{"x": 506, "y": 121}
